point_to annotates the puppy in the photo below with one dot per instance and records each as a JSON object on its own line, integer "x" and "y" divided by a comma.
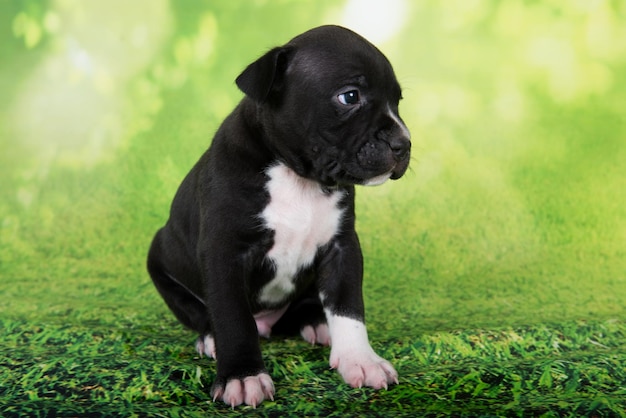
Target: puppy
{"x": 261, "y": 231}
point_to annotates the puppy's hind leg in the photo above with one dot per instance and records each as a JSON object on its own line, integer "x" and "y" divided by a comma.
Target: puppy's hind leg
{"x": 305, "y": 316}
{"x": 186, "y": 306}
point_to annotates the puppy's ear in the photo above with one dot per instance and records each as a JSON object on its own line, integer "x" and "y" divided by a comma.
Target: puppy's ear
{"x": 264, "y": 76}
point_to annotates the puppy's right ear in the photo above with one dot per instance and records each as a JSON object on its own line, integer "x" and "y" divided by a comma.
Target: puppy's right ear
{"x": 264, "y": 77}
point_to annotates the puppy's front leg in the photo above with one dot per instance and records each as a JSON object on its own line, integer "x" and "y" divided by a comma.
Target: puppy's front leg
{"x": 241, "y": 374}
{"x": 354, "y": 358}
{"x": 341, "y": 276}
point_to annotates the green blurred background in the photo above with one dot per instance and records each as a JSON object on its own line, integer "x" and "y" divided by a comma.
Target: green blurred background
{"x": 513, "y": 211}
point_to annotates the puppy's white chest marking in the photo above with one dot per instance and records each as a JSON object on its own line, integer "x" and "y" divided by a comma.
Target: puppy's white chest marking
{"x": 303, "y": 219}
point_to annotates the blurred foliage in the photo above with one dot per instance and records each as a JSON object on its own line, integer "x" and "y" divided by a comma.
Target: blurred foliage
{"x": 514, "y": 203}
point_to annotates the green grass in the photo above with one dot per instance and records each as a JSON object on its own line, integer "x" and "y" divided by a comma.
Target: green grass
{"x": 495, "y": 269}
{"x": 570, "y": 369}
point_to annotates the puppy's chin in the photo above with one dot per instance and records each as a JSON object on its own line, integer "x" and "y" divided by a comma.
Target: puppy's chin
{"x": 378, "y": 180}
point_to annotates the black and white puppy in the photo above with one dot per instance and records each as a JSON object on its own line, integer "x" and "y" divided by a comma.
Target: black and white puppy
{"x": 261, "y": 231}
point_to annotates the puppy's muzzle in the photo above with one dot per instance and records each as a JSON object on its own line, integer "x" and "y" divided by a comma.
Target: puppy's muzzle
{"x": 400, "y": 148}
{"x": 385, "y": 158}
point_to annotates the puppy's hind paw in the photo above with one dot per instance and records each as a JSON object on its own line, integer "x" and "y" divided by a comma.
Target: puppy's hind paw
{"x": 318, "y": 334}
{"x": 251, "y": 390}
{"x": 206, "y": 345}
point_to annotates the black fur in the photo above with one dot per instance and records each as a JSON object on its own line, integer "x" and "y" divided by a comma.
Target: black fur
{"x": 209, "y": 260}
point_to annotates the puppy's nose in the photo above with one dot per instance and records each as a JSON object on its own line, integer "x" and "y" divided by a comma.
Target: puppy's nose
{"x": 400, "y": 146}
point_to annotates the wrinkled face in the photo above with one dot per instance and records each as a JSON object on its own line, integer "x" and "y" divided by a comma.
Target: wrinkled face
{"x": 343, "y": 97}
{"x": 328, "y": 104}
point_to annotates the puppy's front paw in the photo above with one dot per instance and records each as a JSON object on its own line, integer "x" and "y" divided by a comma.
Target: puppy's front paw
{"x": 251, "y": 390}
{"x": 364, "y": 368}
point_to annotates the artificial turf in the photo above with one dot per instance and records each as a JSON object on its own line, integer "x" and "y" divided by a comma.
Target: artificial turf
{"x": 93, "y": 368}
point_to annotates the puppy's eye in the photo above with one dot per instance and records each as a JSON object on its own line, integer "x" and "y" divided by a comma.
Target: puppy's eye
{"x": 349, "y": 98}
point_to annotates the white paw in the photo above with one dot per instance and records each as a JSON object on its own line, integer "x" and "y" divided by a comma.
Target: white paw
{"x": 319, "y": 334}
{"x": 364, "y": 368}
{"x": 353, "y": 356}
{"x": 206, "y": 345}
{"x": 251, "y": 390}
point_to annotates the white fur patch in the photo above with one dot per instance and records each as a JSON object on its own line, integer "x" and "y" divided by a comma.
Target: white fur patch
{"x": 354, "y": 358}
{"x": 303, "y": 218}
{"x": 378, "y": 180}
{"x": 398, "y": 122}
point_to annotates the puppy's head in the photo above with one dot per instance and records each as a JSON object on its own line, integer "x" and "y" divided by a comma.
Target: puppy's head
{"x": 328, "y": 105}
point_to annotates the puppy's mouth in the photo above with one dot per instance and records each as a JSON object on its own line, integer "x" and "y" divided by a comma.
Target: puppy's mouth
{"x": 351, "y": 174}
{"x": 379, "y": 161}
{"x": 373, "y": 164}
{"x": 378, "y": 180}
